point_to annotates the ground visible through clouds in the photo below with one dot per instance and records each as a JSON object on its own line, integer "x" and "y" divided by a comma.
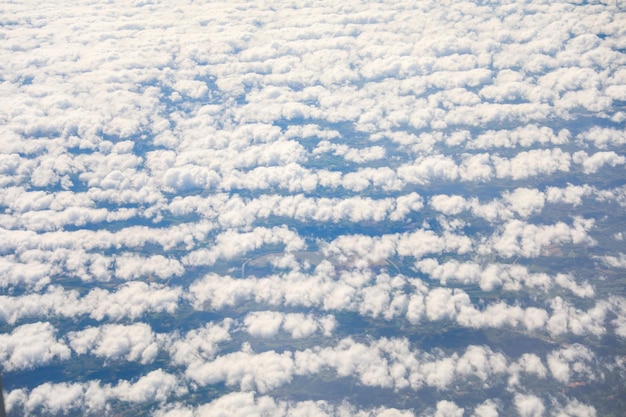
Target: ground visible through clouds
{"x": 315, "y": 208}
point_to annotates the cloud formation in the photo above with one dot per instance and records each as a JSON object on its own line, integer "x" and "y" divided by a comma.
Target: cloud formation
{"x": 222, "y": 203}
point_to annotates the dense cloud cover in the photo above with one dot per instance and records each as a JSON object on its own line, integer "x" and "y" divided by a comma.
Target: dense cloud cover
{"x": 315, "y": 208}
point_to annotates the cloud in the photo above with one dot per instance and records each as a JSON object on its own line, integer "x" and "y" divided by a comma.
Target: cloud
{"x": 575, "y": 359}
{"x": 135, "y": 342}
{"x": 133, "y": 267}
{"x": 200, "y": 344}
{"x": 259, "y": 372}
{"x": 31, "y": 345}
{"x": 267, "y": 324}
{"x": 34, "y": 275}
{"x": 525, "y": 136}
{"x": 532, "y": 163}
{"x": 486, "y": 409}
{"x": 567, "y": 318}
{"x": 155, "y": 386}
{"x": 246, "y": 403}
{"x": 231, "y": 244}
{"x": 593, "y": 163}
{"x": 529, "y": 240}
{"x": 448, "y": 409}
{"x": 529, "y": 405}
{"x": 93, "y": 397}
{"x": 529, "y": 364}
{"x": 510, "y": 277}
{"x": 398, "y": 167}
{"x": 131, "y": 300}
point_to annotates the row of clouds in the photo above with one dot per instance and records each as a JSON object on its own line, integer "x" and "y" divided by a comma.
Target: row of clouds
{"x": 385, "y": 363}
{"x": 398, "y": 297}
{"x": 32, "y": 259}
{"x": 368, "y": 70}
{"x": 176, "y": 173}
{"x": 376, "y": 295}
{"x": 37, "y": 211}
{"x": 92, "y": 398}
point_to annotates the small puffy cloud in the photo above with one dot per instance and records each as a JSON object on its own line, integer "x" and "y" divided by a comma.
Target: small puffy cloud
{"x": 572, "y": 194}
{"x": 593, "y": 163}
{"x": 31, "y": 345}
{"x": 135, "y": 342}
{"x": 34, "y": 274}
{"x": 258, "y": 372}
{"x": 449, "y": 204}
{"x": 566, "y": 318}
{"x": 487, "y": 409}
{"x": 448, "y": 409}
{"x": 525, "y": 201}
{"x": 603, "y": 137}
{"x": 132, "y": 267}
{"x": 131, "y": 300}
{"x": 529, "y": 405}
{"x": 575, "y": 361}
{"x": 263, "y": 323}
{"x": 519, "y": 238}
{"x": 199, "y": 345}
{"x": 93, "y": 397}
{"x": 575, "y": 408}
{"x": 527, "y": 364}
{"x": 154, "y": 386}
{"x": 532, "y": 163}
{"x": 231, "y": 244}
{"x": 444, "y": 303}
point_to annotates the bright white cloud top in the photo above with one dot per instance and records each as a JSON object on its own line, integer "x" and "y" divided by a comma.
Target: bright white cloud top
{"x": 400, "y": 208}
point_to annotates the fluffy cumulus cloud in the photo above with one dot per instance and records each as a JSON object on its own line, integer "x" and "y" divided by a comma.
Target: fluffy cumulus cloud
{"x": 93, "y": 397}
{"x": 32, "y": 345}
{"x": 134, "y": 342}
{"x": 312, "y": 208}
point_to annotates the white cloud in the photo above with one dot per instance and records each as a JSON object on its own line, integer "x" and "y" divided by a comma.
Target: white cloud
{"x": 529, "y": 240}
{"x": 525, "y": 201}
{"x": 259, "y": 372}
{"x": 243, "y": 404}
{"x": 566, "y": 318}
{"x": 31, "y": 345}
{"x": 603, "y": 137}
{"x": 569, "y": 361}
{"x": 268, "y": 323}
{"x": 486, "y": 409}
{"x": 263, "y": 323}
{"x": 231, "y": 244}
{"x": 525, "y": 136}
{"x": 575, "y": 408}
{"x": 34, "y": 274}
{"x": 93, "y": 396}
{"x": 448, "y": 409}
{"x": 133, "y": 267}
{"x": 572, "y": 194}
{"x": 592, "y": 164}
{"x": 131, "y": 300}
{"x": 532, "y": 163}
{"x": 249, "y": 128}
{"x": 529, "y": 405}
{"x": 135, "y": 342}
{"x": 154, "y": 386}
{"x": 199, "y": 345}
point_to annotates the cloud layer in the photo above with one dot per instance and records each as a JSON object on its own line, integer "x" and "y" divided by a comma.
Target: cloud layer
{"x": 312, "y": 208}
